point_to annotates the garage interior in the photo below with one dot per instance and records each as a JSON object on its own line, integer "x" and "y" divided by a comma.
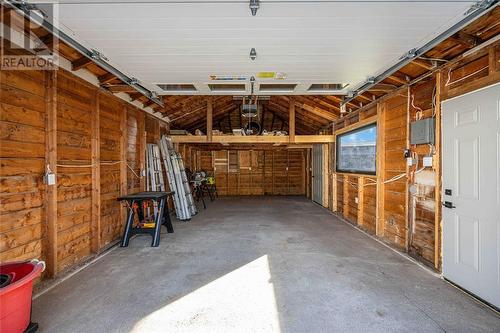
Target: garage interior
{"x": 348, "y": 151}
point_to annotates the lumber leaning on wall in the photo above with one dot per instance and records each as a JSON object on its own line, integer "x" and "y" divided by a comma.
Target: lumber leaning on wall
{"x": 59, "y": 119}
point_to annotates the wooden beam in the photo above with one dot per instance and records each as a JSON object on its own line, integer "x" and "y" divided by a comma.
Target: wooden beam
{"x": 315, "y": 109}
{"x": 80, "y": 63}
{"x": 291, "y": 120}
{"x": 135, "y": 96}
{"x": 120, "y": 88}
{"x": 106, "y": 78}
{"x": 397, "y": 79}
{"x": 282, "y": 139}
{"x": 423, "y": 64}
{"x": 147, "y": 103}
{"x": 345, "y": 204}
{"x": 326, "y": 173}
{"x": 96, "y": 174}
{"x": 363, "y": 122}
{"x": 141, "y": 133}
{"x": 123, "y": 158}
{"x": 361, "y": 200}
{"x": 380, "y": 209}
{"x": 51, "y": 161}
{"x": 210, "y": 106}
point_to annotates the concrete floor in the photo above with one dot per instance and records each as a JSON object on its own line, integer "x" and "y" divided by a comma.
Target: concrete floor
{"x": 268, "y": 264}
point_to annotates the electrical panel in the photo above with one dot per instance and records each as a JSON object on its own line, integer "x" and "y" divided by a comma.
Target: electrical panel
{"x": 422, "y": 132}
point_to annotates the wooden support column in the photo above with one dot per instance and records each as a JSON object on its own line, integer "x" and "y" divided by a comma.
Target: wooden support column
{"x": 361, "y": 200}
{"x": 210, "y": 107}
{"x": 346, "y": 196}
{"x": 51, "y": 161}
{"x": 291, "y": 120}
{"x": 326, "y": 175}
{"x": 437, "y": 175}
{"x": 380, "y": 219}
{"x": 334, "y": 192}
{"x": 410, "y": 218}
{"x": 123, "y": 158}
{"x": 96, "y": 175}
{"x": 141, "y": 130}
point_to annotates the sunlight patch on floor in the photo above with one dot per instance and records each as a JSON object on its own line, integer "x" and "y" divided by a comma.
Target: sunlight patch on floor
{"x": 240, "y": 301}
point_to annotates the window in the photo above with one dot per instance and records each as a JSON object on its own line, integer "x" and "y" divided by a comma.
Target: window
{"x": 356, "y": 150}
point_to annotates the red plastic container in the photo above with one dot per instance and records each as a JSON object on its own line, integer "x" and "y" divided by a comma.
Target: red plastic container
{"x": 15, "y": 298}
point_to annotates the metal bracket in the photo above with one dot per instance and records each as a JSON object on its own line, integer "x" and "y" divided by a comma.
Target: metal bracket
{"x": 254, "y": 6}
{"x": 481, "y": 4}
{"x": 477, "y": 10}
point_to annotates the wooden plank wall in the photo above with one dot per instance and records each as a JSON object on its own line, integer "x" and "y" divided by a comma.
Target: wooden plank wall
{"x": 252, "y": 172}
{"x": 22, "y": 151}
{"x": 411, "y": 223}
{"x": 88, "y": 136}
{"x": 74, "y": 190}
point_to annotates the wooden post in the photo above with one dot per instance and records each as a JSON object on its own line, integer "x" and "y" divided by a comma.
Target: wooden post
{"x": 141, "y": 133}
{"x": 96, "y": 175}
{"x": 437, "y": 175}
{"x": 361, "y": 200}
{"x": 209, "y": 118}
{"x": 307, "y": 173}
{"x": 51, "y": 162}
{"x": 326, "y": 175}
{"x": 291, "y": 120}
{"x": 123, "y": 158}
{"x": 346, "y": 196}
{"x": 334, "y": 192}
{"x": 409, "y": 223}
{"x": 380, "y": 219}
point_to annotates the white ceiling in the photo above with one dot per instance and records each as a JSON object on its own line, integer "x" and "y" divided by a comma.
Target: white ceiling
{"x": 312, "y": 42}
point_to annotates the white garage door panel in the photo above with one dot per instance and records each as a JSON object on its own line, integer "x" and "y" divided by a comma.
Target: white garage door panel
{"x": 187, "y": 42}
{"x": 471, "y": 170}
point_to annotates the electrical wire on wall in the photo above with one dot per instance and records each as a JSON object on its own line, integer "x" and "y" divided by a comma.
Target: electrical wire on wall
{"x": 92, "y": 165}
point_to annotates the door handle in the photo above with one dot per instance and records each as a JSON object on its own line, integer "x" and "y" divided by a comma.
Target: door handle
{"x": 448, "y": 204}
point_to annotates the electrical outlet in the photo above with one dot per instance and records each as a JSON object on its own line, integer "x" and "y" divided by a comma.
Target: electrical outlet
{"x": 356, "y": 200}
{"x": 409, "y": 161}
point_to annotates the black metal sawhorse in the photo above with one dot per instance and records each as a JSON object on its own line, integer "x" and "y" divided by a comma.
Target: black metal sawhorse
{"x": 161, "y": 217}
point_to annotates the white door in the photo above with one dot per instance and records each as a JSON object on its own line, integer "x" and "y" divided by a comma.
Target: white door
{"x": 317, "y": 173}
{"x": 471, "y": 192}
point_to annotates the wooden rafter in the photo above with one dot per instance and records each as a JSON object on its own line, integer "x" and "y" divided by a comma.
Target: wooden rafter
{"x": 80, "y": 63}
{"x": 106, "y": 78}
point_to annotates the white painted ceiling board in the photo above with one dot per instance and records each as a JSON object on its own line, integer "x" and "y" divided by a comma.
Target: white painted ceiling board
{"x": 313, "y": 42}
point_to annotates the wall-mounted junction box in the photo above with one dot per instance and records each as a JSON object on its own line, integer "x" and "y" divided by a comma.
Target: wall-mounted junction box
{"x": 422, "y": 132}
{"x": 427, "y": 161}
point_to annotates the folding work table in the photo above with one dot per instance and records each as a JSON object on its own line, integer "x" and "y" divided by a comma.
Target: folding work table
{"x": 161, "y": 215}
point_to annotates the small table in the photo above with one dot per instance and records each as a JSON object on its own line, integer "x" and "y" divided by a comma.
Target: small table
{"x": 162, "y": 215}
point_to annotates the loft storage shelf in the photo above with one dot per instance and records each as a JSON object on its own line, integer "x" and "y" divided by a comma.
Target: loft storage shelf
{"x": 253, "y": 139}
